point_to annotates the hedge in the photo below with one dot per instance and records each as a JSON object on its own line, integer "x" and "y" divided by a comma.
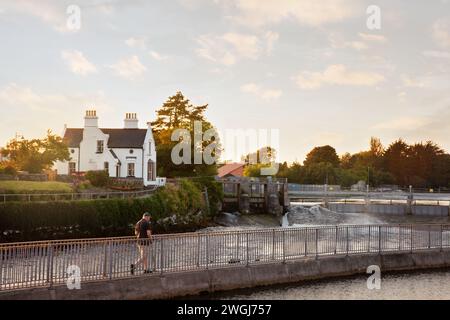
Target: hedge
{"x": 31, "y": 221}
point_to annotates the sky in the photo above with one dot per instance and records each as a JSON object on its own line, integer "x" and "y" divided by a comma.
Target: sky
{"x": 313, "y": 70}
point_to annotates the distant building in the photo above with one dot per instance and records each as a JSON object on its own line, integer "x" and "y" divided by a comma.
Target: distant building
{"x": 127, "y": 152}
{"x": 231, "y": 170}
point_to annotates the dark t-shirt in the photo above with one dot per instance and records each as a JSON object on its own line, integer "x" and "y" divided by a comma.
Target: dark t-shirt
{"x": 142, "y": 227}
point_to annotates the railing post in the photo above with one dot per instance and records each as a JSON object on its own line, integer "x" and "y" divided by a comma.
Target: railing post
{"x": 347, "y": 239}
{"x": 105, "y": 261}
{"x": 306, "y": 242}
{"x": 412, "y": 239}
{"x": 317, "y": 243}
{"x": 335, "y": 240}
{"x": 207, "y": 251}
{"x": 198, "y": 249}
{"x": 162, "y": 256}
{"x": 379, "y": 239}
{"x": 399, "y": 237}
{"x": 284, "y": 246}
{"x": 110, "y": 271}
{"x": 1, "y": 267}
{"x": 440, "y": 238}
{"x": 368, "y": 247}
{"x": 429, "y": 237}
{"x": 248, "y": 249}
{"x": 50, "y": 265}
{"x": 273, "y": 244}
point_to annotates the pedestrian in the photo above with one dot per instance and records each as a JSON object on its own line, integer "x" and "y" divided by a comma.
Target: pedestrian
{"x": 143, "y": 233}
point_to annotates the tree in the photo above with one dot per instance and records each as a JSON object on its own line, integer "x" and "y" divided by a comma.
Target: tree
{"x": 325, "y": 154}
{"x": 178, "y": 113}
{"x": 36, "y": 155}
{"x": 264, "y": 155}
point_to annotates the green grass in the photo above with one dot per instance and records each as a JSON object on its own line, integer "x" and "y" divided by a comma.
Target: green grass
{"x": 34, "y": 187}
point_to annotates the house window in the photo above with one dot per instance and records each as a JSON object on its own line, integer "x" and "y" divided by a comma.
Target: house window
{"x": 118, "y": 171}
{"x": 151, "y": 171}
{"x": 72, "y": 168}
{"x": 106, "y": 167}
{"x": 131, "y": 169}
{"x": 150, "y": 148}
{"x": 100, "y": 146}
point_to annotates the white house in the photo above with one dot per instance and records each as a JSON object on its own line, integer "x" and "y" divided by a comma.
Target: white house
{"x": 124, "y": 153}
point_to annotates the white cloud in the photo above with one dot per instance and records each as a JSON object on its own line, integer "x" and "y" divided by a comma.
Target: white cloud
{"x": 136, "y": 42}
{"x": 78, "y": 63}
{"x": 338, "y": 41}
{"x": 257, "y": 13}
{"x": 337, "y": 75}
{"x": 129, "y": 68}
{"x": 50, "y": 12}
{"x": 436, "y": 54}
{"x": 155, "y": 55}
{"x": 413, "y": 82}
{"x": 231, "y": 47}
{"x": 372, "y": 37}
{"x": 441, "y": 32}
{"x": 33, "y": 111}
{"x": 266, "y": 94}
{"x": 404, "y": 124}
{"x": 271, "y": 37}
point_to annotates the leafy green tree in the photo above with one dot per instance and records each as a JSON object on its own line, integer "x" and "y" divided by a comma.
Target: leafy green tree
{"x": 178, "y": 113}
{"x": 36, "y": 155}
{"x": 326, "y": 154}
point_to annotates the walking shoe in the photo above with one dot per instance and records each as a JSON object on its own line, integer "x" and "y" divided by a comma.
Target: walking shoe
{"x": 148, "y": 271}
{"x": 132, "y": 269}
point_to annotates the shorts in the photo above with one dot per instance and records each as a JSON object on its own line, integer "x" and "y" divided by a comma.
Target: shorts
{"x": 144, "y": 242}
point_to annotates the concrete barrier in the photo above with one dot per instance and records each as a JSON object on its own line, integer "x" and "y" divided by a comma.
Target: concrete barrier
{"x": 238, "y": 277}
{"x": 390, "y": 209}
{"x": 424, "y": 210}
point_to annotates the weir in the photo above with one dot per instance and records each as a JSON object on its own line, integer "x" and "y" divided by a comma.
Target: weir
{"x": 256, "y": 195}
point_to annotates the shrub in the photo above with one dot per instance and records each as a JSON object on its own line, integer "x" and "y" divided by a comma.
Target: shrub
{"x": 98, "y": 178}
{"x": 31, "y": 221}
{"x": 8, "y": 170}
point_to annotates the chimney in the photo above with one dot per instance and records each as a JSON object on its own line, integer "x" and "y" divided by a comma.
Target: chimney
{"x": 91, "y": 119}
{"x": 131, "y": 121}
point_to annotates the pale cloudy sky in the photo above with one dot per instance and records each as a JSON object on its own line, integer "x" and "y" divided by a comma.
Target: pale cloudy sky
{"x": 309, "y": 68}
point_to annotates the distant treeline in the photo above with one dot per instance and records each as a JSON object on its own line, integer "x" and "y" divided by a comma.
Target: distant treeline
{"x": 422, "y": 165}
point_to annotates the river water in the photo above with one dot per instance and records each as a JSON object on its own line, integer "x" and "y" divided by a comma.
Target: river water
{"x": 412, "y": 285}
{"x": 429, "y": 285}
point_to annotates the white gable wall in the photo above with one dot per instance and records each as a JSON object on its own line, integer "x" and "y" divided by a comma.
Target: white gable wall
{"x": 90, "y": 160}
{"x": 125, "y": 157}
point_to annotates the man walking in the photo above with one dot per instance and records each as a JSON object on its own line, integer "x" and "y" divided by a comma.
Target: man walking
{"x": 144, "y": 241}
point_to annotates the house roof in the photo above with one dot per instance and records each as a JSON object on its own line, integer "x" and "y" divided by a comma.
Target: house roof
{"x": 229, "y": 169}
{"x": 118, "y": 138}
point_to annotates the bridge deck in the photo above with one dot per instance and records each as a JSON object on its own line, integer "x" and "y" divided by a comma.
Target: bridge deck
{"x": 41, "y": 264}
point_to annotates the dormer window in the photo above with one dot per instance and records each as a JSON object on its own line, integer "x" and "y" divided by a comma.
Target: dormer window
{"x": 100, "y": 146}
{"x": 150, "y": 148}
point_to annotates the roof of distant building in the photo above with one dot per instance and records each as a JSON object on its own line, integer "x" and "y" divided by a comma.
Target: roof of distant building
{"x": 229, "y": 168}
{"x": 118, "y": 138}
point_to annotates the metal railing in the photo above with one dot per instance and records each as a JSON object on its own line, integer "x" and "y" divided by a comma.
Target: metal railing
{"x": 29, "y": 197}
{"x": 45, "y": 263}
